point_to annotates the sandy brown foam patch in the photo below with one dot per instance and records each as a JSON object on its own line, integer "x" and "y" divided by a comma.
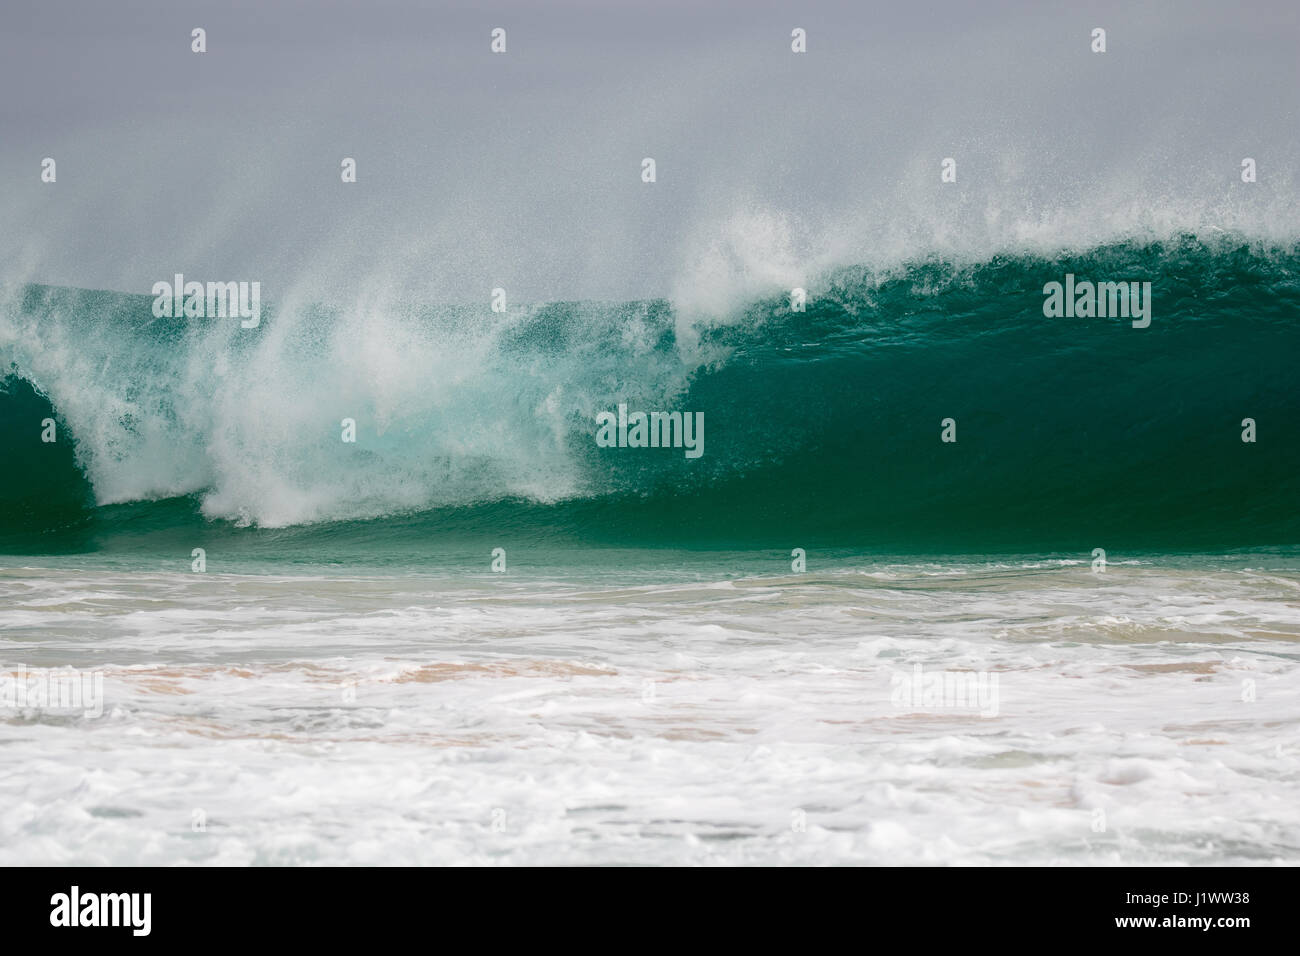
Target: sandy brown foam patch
{"x": 525, "y": 667}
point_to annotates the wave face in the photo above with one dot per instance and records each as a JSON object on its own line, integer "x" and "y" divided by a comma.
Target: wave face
{"x": 822, "y": 427}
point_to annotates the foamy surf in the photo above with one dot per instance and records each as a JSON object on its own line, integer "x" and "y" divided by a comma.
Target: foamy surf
{"x": 1141, "y": 715}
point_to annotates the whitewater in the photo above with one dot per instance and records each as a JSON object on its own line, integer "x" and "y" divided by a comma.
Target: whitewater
{"x": 723, "y": 711}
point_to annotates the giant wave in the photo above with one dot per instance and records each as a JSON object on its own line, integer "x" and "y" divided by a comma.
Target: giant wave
{"x": 824, "y": 426}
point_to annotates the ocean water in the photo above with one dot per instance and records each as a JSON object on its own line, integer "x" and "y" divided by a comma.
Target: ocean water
{"x": 727, "y": 659}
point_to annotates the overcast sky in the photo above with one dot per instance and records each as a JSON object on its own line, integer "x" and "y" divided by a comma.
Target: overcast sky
{"x": 522, "y": 170}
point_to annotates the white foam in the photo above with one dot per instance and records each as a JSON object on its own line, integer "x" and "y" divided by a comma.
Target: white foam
{"x": 375, "y": 719}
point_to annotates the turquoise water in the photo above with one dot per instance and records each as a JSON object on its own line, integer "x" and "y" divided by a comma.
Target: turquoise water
{"x": 823, "y": 427}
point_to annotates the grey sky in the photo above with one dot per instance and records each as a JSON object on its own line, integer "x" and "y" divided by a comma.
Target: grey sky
{"x": 522, "y": 170}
